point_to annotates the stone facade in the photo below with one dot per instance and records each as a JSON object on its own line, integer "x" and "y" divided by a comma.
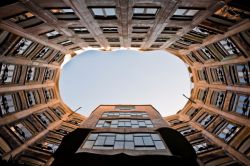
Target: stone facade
{"x": 211, "y": 37}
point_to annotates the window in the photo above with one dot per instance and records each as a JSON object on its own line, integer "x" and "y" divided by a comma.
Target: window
{"x": 31, "y": 98}
{"x": 243, "y": 73}
{"x": 48, "y": 93}
{"x": 52, "y": 34}
{"x": 6, "y": 104}
{"x": 140, "y": 29}
{"x": 116, "y": 123}
{"x": 125, "y": 107}
{"x": 124, "y": 114}
{"x": 227, "y": 130}
{"x": 193, "y": 57}
{"x": 202, "y": 75}
{"x": 217, "y": 99}
{"x": 57, "y": 57}
{"x": 58, "y": 112}
{"x": 51, "y": 147}
{"x": 202, "y": 94}
{"x": 208, "y": 54}
{"x": 241, "y": 105}
{"x": 44, "y": 119}
{"x": 176, "y": 47}
{"x": 22, "y": 46}
{"x": 48, "y": 75}
{"x": 161, "y": 39}
{"x": 63, "y": 13}
{"x": 145, "y": 13}
{"x": 184, "y": 14}
{"x": 103, "y": 12}
{"x": 90, "y": 39}
{"x": 73, "y": 122}
{"x": 31, "y": 73}
{"x": 79, "y": 30}
{"x": 156, "y": 45}
{"x": 186, "y": 130}
{"x": 66, "y": 43}
{"x": 21, "y": 17}
{"x": 25, "y": 20}
{"x": 132, "y": 141}
{"x": 228, "y": 47}
{"x": 113, "y": 39}
{"x": 42, "y": 52}
{"x": 175, "y": 122}
{"x": 217, "y": 75}
{"x": 205, "y": 119}
{"x": 63, "y": 10}
{"x": 109, "y": 29}
{"x": 7, "y": 73}
{"x": 21, "y": 131}
{"x": 201, "y": 31}
{"x": 95, "y": 45}
{"x": 202, "y": 147}
{"x": 137, "y": 39}
{"x": 192, "y": 112}
{"x": 170, "y": 30}
{"x": 61, "y": 131}
{"x": 75, "y": 48}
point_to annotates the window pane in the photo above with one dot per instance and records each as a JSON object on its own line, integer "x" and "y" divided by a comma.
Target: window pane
{"x": 100, "y": 140}
{"x": 151, "y": 10}
{"x": 119, "y": 145}
{"x": 180, "y": 12}
{"x": 191, "y": 12}
{"x": 159, "y": 145}
{"x": 148, "y": 141}
{"x": 98, "y": 11}
{"x": 110, "y": 11}
{"x": 138, "y": 10}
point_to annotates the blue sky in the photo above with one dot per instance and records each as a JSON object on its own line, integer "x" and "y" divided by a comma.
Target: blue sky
{"x": 125, "y": 77}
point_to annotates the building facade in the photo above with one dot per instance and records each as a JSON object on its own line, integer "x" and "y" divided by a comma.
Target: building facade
{"x": 124, "y": 134}
{"x": 211, "y": 37}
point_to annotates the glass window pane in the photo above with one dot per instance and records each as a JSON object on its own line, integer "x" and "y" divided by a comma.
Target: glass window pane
{"x": 138, "y": 10}
{"x": 109, "y": 141}
{"x": 155, "y": 137}
{"x": 88, "y": 144}
{"x": 180, "y": 12}
{"x": 159, "y": 145}
{"x": 119, "y": 137}
{"x": 151, "y": 10}
{"x": 98, "y": 11}
{"x": 128, "y": 137}
{"x": 148, "y": 141}
{"x": 191, "y": 12}
{"x": 100, "y": 140}
{"x": 138, "y": 141}
{"x": 129, "y": 145}
{"x": 110, "y": 11}
{"x": 119, "y": 145}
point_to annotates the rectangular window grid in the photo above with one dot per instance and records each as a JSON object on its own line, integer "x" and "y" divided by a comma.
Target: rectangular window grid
{"x": 6, "y": 104}
{"x": 227, "y": 131}
{"x": 133, "y": 141}
{"x": 228, "y": 47}
{"x": 6, "y": 73}
{"x": 242, "y": 105}
{"x": 124, "y": 114}
{"x": 130, "y": 123}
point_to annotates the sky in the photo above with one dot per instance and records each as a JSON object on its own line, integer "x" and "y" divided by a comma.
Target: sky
{"x": 96, "y": 77}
